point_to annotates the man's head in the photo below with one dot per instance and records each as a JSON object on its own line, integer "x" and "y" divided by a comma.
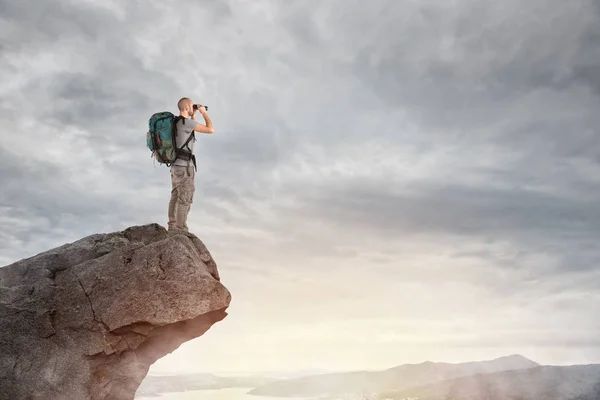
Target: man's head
{"x": 186, "y": 107}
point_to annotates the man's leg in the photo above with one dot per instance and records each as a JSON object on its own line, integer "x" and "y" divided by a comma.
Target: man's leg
{"x": 185, "y": 197}
{"x": 173, "y": 201}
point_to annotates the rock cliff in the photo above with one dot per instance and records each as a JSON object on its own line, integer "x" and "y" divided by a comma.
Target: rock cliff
{"x": 86, "y": 320}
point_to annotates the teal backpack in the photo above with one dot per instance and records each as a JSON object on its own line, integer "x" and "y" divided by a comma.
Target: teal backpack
{"x": 160, "y": 139}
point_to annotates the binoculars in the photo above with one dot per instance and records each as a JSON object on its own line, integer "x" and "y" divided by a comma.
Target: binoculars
{"x": 196, "y": 107}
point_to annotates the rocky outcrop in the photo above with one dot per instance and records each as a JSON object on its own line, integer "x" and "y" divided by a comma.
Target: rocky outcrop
{"x": 86, "y": 320}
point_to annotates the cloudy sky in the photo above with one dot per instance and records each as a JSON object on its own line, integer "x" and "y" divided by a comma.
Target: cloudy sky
{"x": 389, "y": 181}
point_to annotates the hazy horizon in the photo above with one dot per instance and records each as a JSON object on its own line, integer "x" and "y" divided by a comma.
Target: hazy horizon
{"x": 294, "y": 373}
{"x": 387, "y": 183}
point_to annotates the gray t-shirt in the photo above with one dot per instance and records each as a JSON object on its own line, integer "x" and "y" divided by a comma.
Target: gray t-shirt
{"x": 185, "y": 128}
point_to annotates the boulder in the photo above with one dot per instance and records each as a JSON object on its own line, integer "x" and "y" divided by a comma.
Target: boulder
{"x": 87, "y": 319}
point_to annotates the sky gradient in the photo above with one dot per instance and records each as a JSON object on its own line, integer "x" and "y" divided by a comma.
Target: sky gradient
{"x": 388, "y": 182}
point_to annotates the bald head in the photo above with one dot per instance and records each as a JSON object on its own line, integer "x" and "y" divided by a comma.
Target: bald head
{"x": 184, "y": 103}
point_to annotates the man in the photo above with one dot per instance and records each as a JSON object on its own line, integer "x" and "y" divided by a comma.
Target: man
{"x": 183, "y": 169}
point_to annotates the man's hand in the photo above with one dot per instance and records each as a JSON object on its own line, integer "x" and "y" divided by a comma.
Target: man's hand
{"x": 208, "y": 128}
{"x": 200, "y": 108}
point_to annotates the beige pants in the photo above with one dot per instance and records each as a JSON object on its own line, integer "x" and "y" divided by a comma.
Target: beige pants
{"x": 182, "y": 196}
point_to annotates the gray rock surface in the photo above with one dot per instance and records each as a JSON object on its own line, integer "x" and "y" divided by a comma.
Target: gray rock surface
{"x": 86, "y": 320}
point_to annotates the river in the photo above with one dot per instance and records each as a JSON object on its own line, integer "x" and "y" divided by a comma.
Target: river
{"x": 219, "y": 394}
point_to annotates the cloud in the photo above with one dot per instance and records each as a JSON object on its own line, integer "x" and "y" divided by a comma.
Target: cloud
{"x": 415, "y": 150}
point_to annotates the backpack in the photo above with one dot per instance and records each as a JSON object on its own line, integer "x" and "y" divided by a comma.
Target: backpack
{"x": 160, "y": 138}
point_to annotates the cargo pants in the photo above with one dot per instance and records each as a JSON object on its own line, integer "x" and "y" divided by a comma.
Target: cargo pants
{"x": 182, "y": 196}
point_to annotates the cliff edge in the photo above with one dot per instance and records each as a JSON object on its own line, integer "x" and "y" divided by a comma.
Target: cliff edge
{"x": 86, "y": 320}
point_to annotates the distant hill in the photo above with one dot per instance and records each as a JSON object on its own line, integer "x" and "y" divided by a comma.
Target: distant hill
{"x": 394, "y": 379}
{"x": 153, "y": 385}
{"x": 580, "y": 382}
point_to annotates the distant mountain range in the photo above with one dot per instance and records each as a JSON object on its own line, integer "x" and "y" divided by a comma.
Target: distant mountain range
{"x": 394, "y": 379}
{"x": 580, "y": 382}
{"x": 507, "y": 378}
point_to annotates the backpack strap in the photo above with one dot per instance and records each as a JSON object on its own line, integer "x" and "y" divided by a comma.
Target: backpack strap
{"x": 179, "y": 151}
{"x": 188, "y": 153}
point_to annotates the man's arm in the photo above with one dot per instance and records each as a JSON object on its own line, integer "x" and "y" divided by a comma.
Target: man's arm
{"x": 208, "y": 128}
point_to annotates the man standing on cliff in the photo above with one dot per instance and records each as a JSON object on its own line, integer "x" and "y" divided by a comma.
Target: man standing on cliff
{"x": 183, "y": 169}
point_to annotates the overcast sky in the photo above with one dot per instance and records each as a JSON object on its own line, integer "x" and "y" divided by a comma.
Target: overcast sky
{"x": 388, "y": 182}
